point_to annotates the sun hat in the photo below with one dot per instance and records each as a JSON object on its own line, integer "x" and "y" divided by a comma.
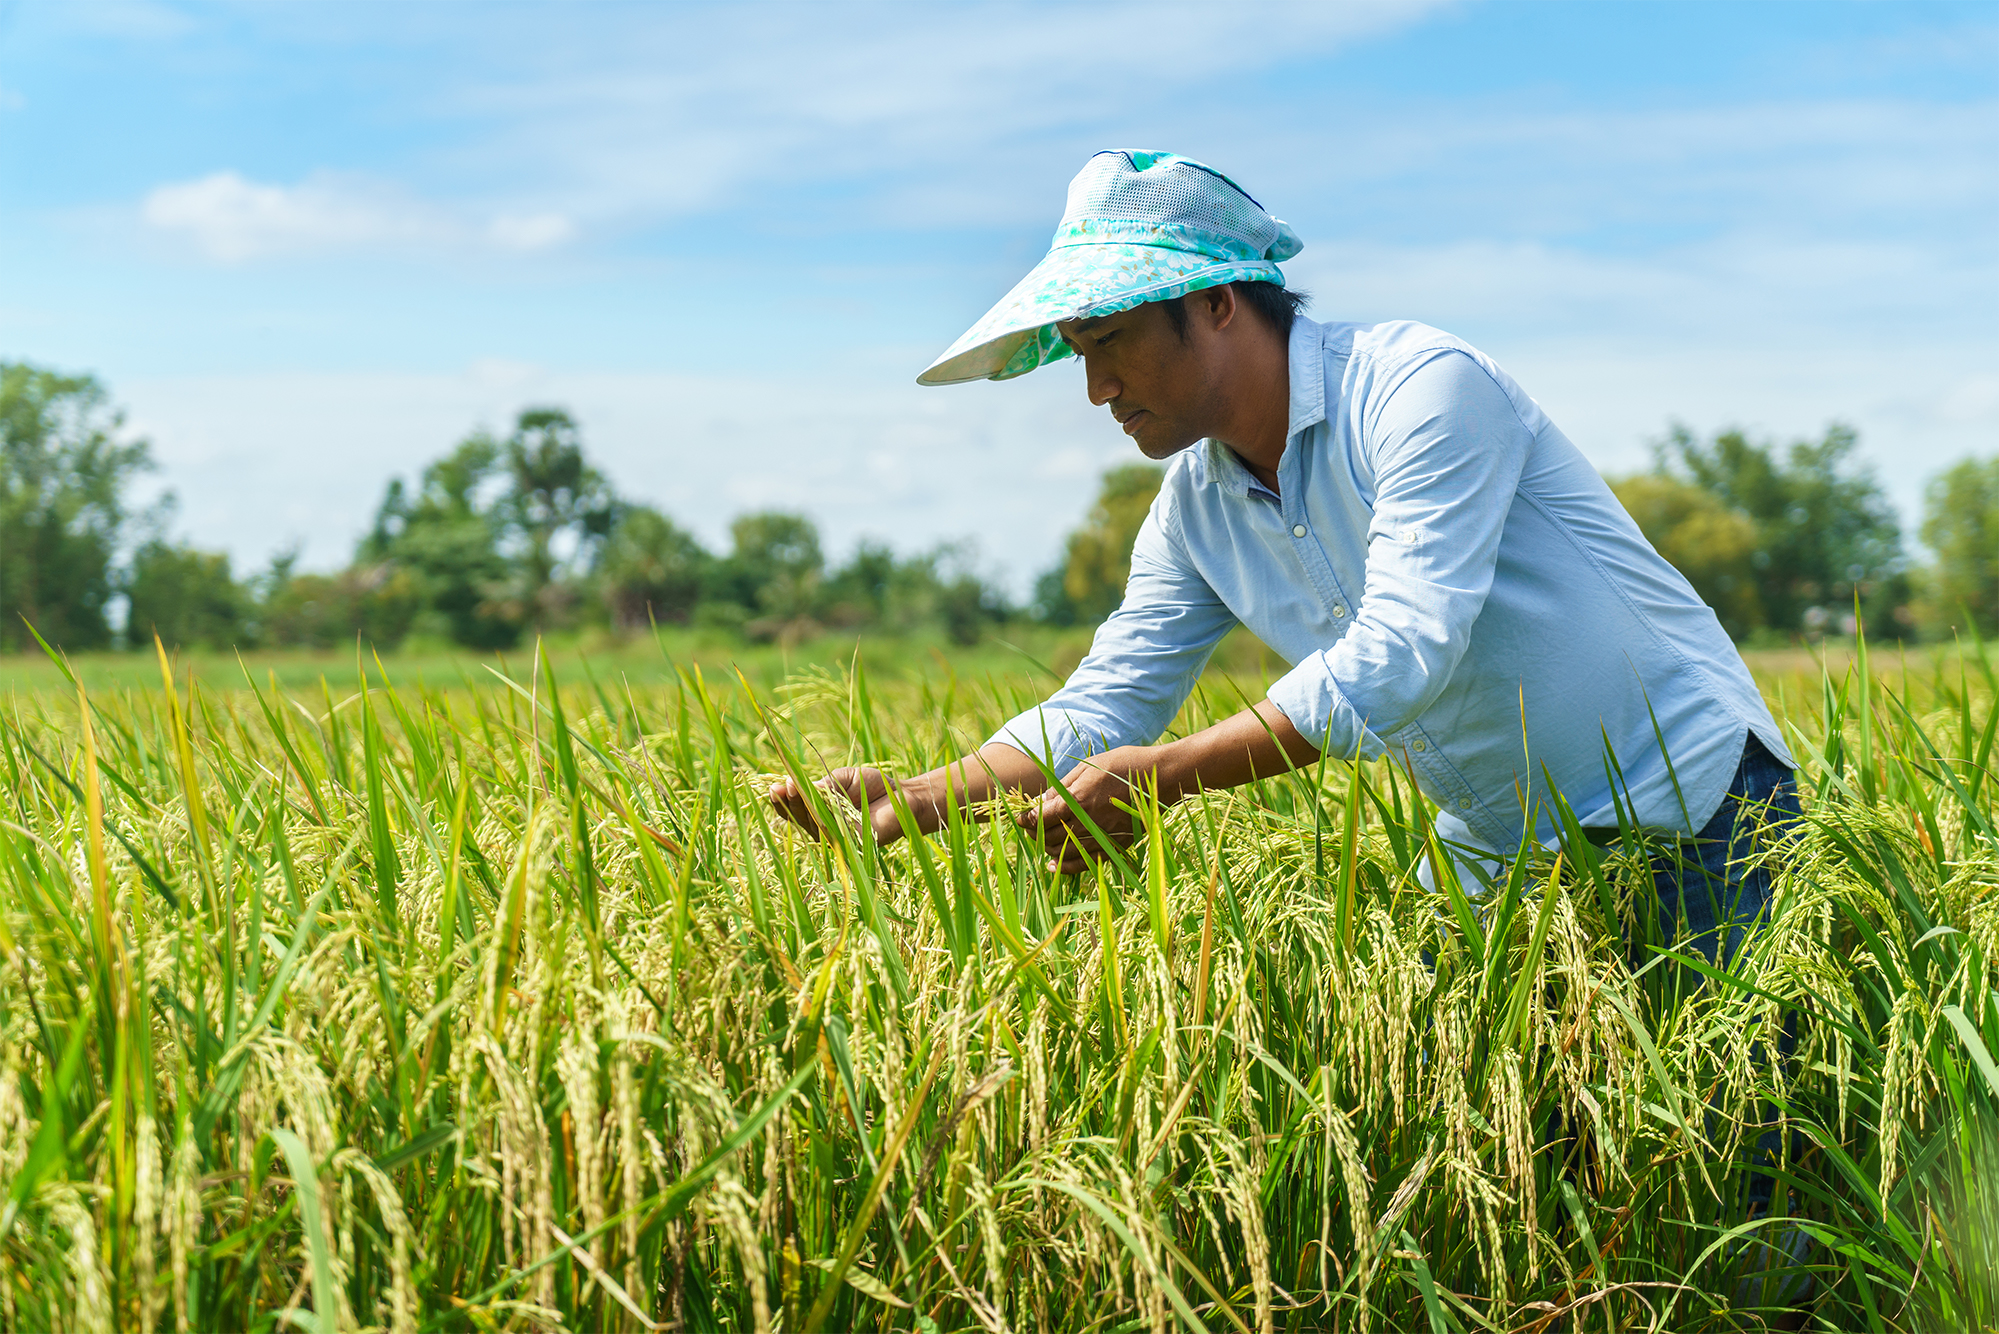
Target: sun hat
{"x": 1138, "y": 227}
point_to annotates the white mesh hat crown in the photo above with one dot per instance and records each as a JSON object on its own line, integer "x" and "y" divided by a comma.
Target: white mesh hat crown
{"x": 1138, "y": 227}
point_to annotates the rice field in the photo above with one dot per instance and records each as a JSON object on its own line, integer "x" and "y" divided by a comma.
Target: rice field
{"x": 507, "y": 1006}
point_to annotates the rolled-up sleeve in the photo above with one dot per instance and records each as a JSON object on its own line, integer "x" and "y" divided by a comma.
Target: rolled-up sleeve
{"x": 1446, "y": 447}
{"x": 1142, "y": 664}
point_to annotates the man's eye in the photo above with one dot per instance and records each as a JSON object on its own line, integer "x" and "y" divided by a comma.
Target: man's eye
{"x": 1107, "y": 337}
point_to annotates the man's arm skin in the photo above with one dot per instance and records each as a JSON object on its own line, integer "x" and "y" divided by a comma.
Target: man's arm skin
{"x": 1255, "y": 743}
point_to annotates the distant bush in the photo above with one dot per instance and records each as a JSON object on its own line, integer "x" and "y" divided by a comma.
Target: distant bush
{"x": 374, "y": 604}
{"x": 187, "y": 598}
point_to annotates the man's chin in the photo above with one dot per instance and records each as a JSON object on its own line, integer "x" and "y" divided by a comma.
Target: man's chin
{"x": 1159, "y": 447}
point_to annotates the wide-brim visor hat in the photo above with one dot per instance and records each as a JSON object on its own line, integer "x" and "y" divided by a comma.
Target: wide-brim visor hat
{"x": 1138, "y": 227}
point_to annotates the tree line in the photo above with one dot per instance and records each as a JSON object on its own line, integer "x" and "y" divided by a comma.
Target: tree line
{"x": 508, "y": 536}
{"x": 499, "y": 539}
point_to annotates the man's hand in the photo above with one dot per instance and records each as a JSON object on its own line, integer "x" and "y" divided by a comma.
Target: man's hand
{"x": 1257, "y": 743}
{"x": 1103, "y": 786}
{"x": 864, "y": 785}
{"x": 929, "y": 797}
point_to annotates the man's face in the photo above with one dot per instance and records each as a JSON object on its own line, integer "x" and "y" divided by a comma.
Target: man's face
{"x": 1160, "y": 387}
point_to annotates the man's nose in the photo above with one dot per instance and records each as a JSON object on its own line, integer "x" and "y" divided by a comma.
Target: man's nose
{"x": 1103, "y": 387}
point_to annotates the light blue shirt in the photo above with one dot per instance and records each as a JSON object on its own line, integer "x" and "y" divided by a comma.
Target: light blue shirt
{"x": 1453, "y": 584}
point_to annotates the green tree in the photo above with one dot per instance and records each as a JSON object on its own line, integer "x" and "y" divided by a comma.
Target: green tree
{"x": 1824, "y": 528}
{"x": 63, "y": 475}
{"x": 939, "y": 588}
{"x": 188, "y": 598}
{"x": 1961, "y": 524}
{"x": 650, "y": 569}
{"x": 775, "y": 565}
{"x": 1097, "y": 557}
{"x": 1713, "y": 545}
{"x": 447, "y": 536}
{"x": 874, "y": 588}
{"x": 966, "y": 604}
{"x": 558, "y": 506}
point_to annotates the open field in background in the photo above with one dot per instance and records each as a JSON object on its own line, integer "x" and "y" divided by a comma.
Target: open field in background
{"x": 456, "y": 1004}
{"x": 1021, "y": 649}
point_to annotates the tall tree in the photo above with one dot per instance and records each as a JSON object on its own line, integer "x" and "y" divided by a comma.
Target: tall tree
{"x": 448, "y": 537}
{"x": 558, "y": 505}
{"x": 63, "y": 474}
{"x": 651, "y": 569}
{"x": 1961, "y": 524}
{"x": 1825, "y": 532}
{"x": 775, "y": 565}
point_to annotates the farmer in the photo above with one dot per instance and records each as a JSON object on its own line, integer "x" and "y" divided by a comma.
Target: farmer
{"x": 1452, "y": 582}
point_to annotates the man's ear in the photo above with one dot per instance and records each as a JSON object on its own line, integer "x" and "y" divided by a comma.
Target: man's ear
{"x": 1218, "y": 305}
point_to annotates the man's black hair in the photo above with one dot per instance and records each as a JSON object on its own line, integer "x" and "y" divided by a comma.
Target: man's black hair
{"x": 1279, "y": 306}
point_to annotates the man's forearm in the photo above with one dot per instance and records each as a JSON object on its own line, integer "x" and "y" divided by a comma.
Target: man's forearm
{"x": 976, "y": 778}
{"x": 1257, "y": 743}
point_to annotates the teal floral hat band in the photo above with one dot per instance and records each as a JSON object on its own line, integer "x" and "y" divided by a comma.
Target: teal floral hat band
{"x": 1138, "y": 227}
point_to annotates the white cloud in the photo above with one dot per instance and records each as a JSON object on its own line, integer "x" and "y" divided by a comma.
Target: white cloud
{"x": 233, "y": 219}
{"x": 533, "y": 231}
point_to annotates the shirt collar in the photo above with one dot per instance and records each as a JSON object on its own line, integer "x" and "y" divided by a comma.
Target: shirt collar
{"x": 1307, "y": 363}
{"x": 1308, "y": 376}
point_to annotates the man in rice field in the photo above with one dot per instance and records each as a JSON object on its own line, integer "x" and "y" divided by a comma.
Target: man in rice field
{"x": 1452, "y": 582}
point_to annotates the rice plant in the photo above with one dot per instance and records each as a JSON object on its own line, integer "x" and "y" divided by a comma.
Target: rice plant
{"x": 511, "y": 1006}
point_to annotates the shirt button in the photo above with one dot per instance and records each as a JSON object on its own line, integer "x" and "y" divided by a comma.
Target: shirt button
{"x": 1464, "y": 803}
{"x": 1298, "y": 530}
{"x": 1419, "y": 745}
{"x": 1339, "y": 610}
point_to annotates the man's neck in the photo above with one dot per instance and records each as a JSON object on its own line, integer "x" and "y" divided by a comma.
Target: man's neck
{"x": 1259, "y": 421}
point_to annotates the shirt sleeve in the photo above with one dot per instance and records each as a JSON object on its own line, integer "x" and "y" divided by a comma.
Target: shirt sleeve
{"x": 1447, "y": 449}
{"x": 1142, "y": 664}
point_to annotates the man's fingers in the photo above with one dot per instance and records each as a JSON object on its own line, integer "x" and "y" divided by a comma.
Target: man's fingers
{"x": 791, "y": 804}
{"x": 1066, "y": 842}
{"x": 1046, "y": 819}
{"x": 864, "y": 785}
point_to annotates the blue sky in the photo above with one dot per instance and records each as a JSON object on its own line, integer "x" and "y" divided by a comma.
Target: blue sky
{"x": 311, "y": 245}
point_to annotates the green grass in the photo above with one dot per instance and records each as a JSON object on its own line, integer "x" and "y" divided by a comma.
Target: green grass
{"x": 432, "y": 1001}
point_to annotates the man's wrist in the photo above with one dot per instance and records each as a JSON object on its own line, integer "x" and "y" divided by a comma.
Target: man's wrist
{"x": 924, "y": 795}
{"x": 931, "y": 795}
{"x": 1175, "y": 766}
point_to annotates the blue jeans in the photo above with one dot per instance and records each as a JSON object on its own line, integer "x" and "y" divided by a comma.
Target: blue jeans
{"x": 1707, "y": 895}
{"x": 1714, "y": 889}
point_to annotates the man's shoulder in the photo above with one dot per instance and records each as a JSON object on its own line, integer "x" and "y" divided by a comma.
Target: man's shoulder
{"x": 1378, "y": 358}
{"x": 1389, "y": 343}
